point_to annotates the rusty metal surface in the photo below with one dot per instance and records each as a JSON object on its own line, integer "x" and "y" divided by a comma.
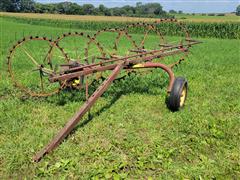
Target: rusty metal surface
{"x": 162, "y": 66}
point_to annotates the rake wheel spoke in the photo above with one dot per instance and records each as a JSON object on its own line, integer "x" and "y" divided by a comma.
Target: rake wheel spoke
{"x": 22, "y": 66}
{"x": 41, "y": 80}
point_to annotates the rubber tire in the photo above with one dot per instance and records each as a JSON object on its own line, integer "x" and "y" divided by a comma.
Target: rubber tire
{"x": 173, "y": 101}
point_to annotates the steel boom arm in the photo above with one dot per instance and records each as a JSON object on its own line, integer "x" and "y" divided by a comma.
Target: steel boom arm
{"x": 77, "y": 117}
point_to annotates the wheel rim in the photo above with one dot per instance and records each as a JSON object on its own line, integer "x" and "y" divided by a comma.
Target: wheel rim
{"x": 30, "y": 64}
{"x": 183, "y": 96}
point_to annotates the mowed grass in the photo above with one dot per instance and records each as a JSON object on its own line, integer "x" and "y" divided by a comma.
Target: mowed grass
{"x": 76, "y": 17}
{"x": 130, "y": 134}
{"x": 181, "y": 17}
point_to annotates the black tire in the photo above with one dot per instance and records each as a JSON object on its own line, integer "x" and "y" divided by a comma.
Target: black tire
{"x": 178, "y": 94}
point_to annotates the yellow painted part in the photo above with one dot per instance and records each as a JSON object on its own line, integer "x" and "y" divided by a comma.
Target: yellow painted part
{"x": 76, "y": 82}
{"x": 183, "y": 96}
{"x": 138, "y": 66}
{"x": 98, "y": 75}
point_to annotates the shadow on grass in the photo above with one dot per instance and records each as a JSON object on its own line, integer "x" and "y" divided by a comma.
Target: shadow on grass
{"x": 150, "y": 85}
{"x": 91, "y": 116}
{"x": 122, "y": 88}
{"x": 132, "y": 84}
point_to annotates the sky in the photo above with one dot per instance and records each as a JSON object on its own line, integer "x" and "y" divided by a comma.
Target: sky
{"x": 188, "y": 6}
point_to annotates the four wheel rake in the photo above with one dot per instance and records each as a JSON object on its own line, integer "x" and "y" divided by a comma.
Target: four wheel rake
{"x": 41, "y": 67}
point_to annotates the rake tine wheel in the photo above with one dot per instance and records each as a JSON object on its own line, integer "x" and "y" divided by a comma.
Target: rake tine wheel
{"x": 27, "y": 57}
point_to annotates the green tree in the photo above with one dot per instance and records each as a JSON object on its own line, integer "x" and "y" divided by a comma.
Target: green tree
{"x": 104, "y": 10}
{"x": 26, "y": 6}
{"x": 9, "y": 5}
{"x": 74, "y": 8}
{"x": 38, "y": 8}
{"x": 149, "y": 9}
{"x": 64, "y": 7}
{"x": 238, "y": 10}
{"x": 88, "y": 9}
{"x": 173, "y": 11}
{"x": 138, "y": 4}
{"x": 140, "y": 10}
{"x": 129, "y": 10}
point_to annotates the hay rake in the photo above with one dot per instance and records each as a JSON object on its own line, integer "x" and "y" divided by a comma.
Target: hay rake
{"x": 41, "y": 67}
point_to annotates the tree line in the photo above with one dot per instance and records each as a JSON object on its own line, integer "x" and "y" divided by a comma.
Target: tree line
{"x": 238, "y": 10}
{"x": 30, "y": 6}
{"x": 139, "y": 10}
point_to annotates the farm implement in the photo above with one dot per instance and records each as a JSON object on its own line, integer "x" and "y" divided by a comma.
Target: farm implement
{"x": 41, "y": 67}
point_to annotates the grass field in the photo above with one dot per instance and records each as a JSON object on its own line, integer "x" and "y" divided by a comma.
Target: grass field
{"x": 131, "y": 133}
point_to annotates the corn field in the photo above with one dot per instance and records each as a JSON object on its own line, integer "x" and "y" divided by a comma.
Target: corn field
{"x": 223, "y": 30}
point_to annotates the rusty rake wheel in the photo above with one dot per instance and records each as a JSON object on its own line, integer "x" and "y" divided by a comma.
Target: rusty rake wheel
{"x": 109, "y": 40}
{"x": 144, "y": 36}
{"x": 184, "y": 38}
{"x": 126, "y": 42}
{"x": 76, "y": 47}
{"x": 116, "y": 43}
{"x": 149, "y": 32}
{"x": 111, "y": 45}
{"x": 30, "y": 63}
{"x": 80, "y": 49}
